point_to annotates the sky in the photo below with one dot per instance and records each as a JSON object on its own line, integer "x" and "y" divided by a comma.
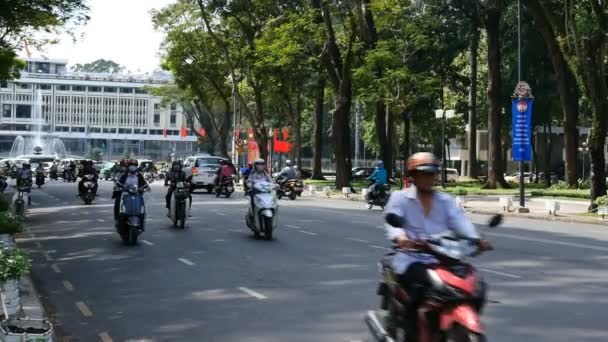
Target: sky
{"x": 120, "y": 30}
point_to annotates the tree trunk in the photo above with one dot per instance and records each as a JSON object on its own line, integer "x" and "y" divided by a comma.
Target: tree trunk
{"x": 495, "y": 167}
{"x": 547, "y": 155}
{"x": 298, "y": 137}
{"x": 223, "y": 131}
{"x": 568, "y": 90}
{"x": 317, "y": 172}
{"x": 406, "y": 134}
{"x": 472, "y": 167}
{"x": 341, "y": 135}
{"x": 384, "y": 134}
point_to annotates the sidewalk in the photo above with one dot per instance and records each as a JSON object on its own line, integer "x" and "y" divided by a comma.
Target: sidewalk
{"x": 569, "y": 210}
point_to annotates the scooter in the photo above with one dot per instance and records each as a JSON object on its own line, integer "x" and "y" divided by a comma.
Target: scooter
{"x": 149, "y": 177}
{"x": 226, "y": 188}
{"x": 21, "y": 199}
{"x": 39, "y": 179}
{"x": 450, "y": 310}
{"x": 179, "y": 210}
{"x": 132, "y": 215}
{"x": 69, "y": 176}
{"x": 262, "y": 216}
{"x": 291, "y": 188}
{"x": 53, "y": 175}
{"x": 89, "y": 189}
{"x": 378, "y": 198}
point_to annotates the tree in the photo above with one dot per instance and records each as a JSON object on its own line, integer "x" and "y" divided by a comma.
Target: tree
{"x": 99, "y": 66}
{"x": 21, "y": 19}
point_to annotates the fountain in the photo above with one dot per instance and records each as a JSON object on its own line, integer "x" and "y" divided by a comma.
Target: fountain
{"x": 37, "y": 143}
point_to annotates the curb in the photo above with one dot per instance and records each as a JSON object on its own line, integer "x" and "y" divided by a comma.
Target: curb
{"x": 30, "y": 300}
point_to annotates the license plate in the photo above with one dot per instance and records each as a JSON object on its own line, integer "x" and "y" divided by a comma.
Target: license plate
{"x": 298, "y": 189}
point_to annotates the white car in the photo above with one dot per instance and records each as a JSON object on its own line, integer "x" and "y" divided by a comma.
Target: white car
{"x": 203, "y": 169}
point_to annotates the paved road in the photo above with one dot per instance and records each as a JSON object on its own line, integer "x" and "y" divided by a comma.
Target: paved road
{"x": 214, "y": 282}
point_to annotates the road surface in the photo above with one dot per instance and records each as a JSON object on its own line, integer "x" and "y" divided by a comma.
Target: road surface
{"x": 214, "y": 282}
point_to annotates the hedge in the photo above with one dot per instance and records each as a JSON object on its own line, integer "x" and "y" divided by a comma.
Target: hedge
{"x": 585, "y": 194}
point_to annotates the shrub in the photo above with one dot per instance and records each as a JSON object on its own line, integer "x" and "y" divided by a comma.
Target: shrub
{"x": 561, "y": 193}
{"x": 583, "y": 184}
{"x": 13, "y": 263}
{"x": 602, "y": 200}
{"x": 10, "y": 223}
{"x": 460, "y": 191}
{"x": 4, "y": 203}
{"x": 561, "y": 185}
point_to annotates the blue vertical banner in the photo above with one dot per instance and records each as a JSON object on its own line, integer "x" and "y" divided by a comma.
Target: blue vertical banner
{"x": 521, "y": 109}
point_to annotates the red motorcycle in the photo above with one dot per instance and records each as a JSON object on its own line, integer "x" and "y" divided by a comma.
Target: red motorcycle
{"x": 451, "y": 308}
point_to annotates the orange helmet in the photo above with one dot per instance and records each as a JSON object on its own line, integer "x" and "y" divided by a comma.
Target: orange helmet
{"x": 423, "y": 162}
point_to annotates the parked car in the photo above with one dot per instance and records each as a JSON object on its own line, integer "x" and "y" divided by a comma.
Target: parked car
{"x": 203, "y": 169}
{"x": 451, "y": 175}
{"x": 361, "y": 172}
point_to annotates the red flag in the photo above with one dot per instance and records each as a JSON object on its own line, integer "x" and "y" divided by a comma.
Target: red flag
{"x": 285, "y": 133}
{"x": 250, "y": 133}
{"x": 184, "y": 132}
{"x": 201, "y": 132}
{"x": 165, "y": 133}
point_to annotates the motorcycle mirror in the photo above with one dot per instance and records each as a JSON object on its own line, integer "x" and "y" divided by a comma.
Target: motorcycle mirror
{"x": 495, "y": 221}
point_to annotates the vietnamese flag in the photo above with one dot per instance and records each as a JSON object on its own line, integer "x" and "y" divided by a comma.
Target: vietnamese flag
{"x": 184, "y": 132}
{"x": 250, "y": 133}
{"x": 285, "y": 133}
{"x": 165, "y": 133}
{"x": 201, "y": 132}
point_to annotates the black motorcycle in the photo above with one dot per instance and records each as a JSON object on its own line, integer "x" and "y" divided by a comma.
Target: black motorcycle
{"x": 39, "y": 179}
{"x": 88, "y": 185}
{"x": 378, "y": 196}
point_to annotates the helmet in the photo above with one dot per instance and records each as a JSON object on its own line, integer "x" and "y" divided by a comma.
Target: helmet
{"x": 123, "y": 162}
{"x": 380, "y": 164}
{"x": 423, "y": 162}
{"x": 259, "y": 164}
{"x": 132, "y": 162}
{"x": 288, "y": 162}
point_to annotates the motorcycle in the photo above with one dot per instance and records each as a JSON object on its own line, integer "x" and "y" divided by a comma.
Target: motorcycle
{"x": 226, "y": 188}
{"x": 69, "y": 176}
{"x": 132, "y": 214}
{"x": 262, "y": 216}
{"x": 378, "y": 198}
{"x": 178, "y": 207}
{"x": 39, "y": 179}
{"x": 21, "y": 198}
{"x": 291, "y": 188}
{"x": 53, "y": 175}
{"x": 89, "y": 189}
{"x": 450, "y": 310}
{"x": 149, "y": 177}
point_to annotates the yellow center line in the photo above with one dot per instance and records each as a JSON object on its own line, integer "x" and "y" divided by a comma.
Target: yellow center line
{"x": 84, "y": 309}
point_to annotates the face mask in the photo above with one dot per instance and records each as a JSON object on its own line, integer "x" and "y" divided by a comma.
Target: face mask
{"x": 132, "y": 168}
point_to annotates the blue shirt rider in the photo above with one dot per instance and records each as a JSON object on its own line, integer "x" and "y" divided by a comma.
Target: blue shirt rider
{"x": 379, "y": 176}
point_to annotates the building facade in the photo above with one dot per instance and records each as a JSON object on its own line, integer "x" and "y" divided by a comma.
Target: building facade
{"x": 113, "y": 113}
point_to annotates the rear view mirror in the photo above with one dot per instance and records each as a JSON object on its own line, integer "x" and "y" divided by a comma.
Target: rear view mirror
{"x": 495, "y": 221}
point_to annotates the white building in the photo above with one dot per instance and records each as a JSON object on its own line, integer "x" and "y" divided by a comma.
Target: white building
{"x": 115, "y": 113}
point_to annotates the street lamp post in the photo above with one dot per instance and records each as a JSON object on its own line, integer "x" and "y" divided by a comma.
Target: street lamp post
{"x": 584, "y": 149}
{"x": 443, "y": 115}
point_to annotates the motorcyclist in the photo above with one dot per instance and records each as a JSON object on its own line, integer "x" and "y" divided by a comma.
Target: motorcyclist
{"x": 133, "y": 176}
{"x": 173, "y": 177}
{"x": 379, "y": 177}
{"x": 258, "y": 174}
{"x": 53, "y": 171}
{"x": 120, "y": 170}
{"x": 287, "y": 173}
{"x": 245, "y": 172}
{"x": 87, "y": 169}
{"x": 71, "y": 170}
{"x": 24, "y": 175}
{"x": 226, "y": 170}
{"x": 414, "y": 213}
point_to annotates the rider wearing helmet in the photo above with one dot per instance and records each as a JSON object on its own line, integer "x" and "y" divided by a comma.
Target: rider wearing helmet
{"x": 287, "y": 173}
{"x": 87, "y": 169}
{"x": 258, "y": 174}
{"x": 24, "y": 175}
{"x": 131, "y": 176}
{"x": 173, "y": 177}
{"x": 379, "y": 177}
{"x": 414, "y": 213}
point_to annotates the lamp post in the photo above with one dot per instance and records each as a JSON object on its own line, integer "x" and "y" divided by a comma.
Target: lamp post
{"x": 443, "y": 115}
{"x": 584, "y": 149}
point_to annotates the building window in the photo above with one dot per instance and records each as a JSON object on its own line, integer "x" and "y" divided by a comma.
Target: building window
{"x": 126, "y": 90}
{"x": 3, "y": 84}
{"x": 23, "y": 111}
{"x": 156, "y": 119}
{"x": 173, "y": 106}
{"x": 43, "y": 68}
{"x": 95, "y": 89}
{"x": 141, "y": 91}
{"x": 78, "y": 88}
{"x": 173, "y": 119}
{"x": 109, "y": 130}
{"x": 62, "y": 129}
{"x": 63, "y": 87}
{"x": 156, "y": 106}
{"x": 94, "y": 130}
{"x": 6, "y": 110}
{"x": 124, "y": 131}
{"x": 78, "y": 129}
{"x": 22, "y": 127}
{"x": 23, "y": 86}
{"x": 109, "y": 89}
{"x": 44, "y": 86}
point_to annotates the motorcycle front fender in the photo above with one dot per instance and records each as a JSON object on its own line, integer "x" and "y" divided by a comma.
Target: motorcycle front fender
{"x": 267, "y": 212}
{"x": 464, "y": 315}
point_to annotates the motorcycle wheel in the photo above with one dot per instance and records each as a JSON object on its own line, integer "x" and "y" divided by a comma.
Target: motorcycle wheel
{"x": 292, "y": 196}
{"x": 87, "y": 200}
{"x": 218, "y": 192}
{"x": 19, "y": 209}
{"x": 370, "y": 206}
{"x": 459, "y": 333}
{"x": 279, "y": 195}
{"x": 132, "y": 237}
{"x": 228, "y": 194}
{"x": 267, "y": 228}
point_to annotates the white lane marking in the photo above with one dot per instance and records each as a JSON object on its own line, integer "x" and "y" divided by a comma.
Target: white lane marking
{"x": 147, "y": 242}
{"x": 55, "y": 268}
{"x": 186, "y": 261}
{"x": 221, "y": 214}
{"x": 101, "y": 220}
{"x": 356, "y": 240}
{"x": 552, "y": 242}
{"x": 34, "y": 203}
{"x": 66, "y": 203}
{"x": 252, "y": 293}
{"x": 235, "y": 230}
{"x": 105, "y": 337}
{"x": 84, "y": 309}
{"x": 68, "y": 286}
{"x": 504, "y": 274}
{"x": 47, "y": 256}
{"x": 218, "y": 240}
{"x": 38, "y": 245}
{"x": 380, "y": 247}
{"x": 292, "y": 226}
{"x": 307, "y": 232}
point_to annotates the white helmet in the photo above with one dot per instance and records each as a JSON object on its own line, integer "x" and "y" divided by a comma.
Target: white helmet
{"x": 288, "y": 162}
{"x": 259, "y": 165}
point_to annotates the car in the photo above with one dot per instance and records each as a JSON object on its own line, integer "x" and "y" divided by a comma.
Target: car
{"x": 361, "y": 172}
{"x": 451, "y": 175}
{"x": 203, "y": 169}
